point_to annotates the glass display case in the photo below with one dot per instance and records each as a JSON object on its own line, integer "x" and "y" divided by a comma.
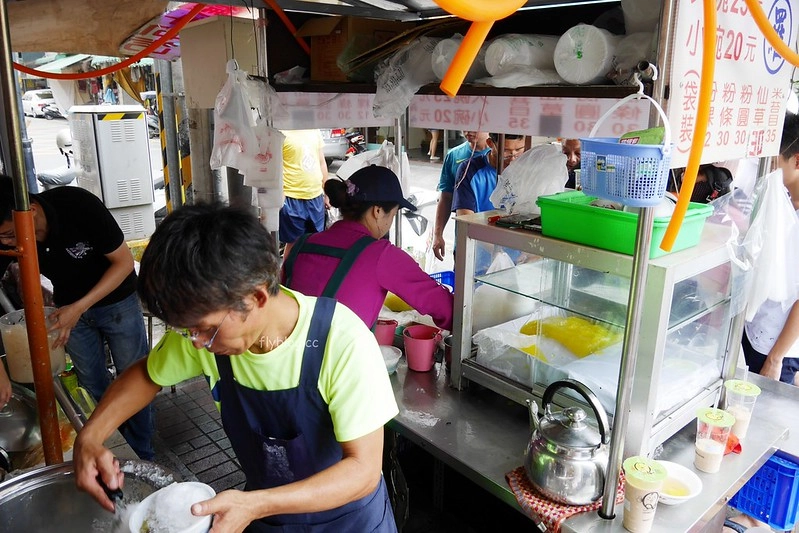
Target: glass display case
{"x": 538, "y": 309}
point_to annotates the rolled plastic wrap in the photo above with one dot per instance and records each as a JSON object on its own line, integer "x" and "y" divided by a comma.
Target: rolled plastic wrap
{"x": 445, "y": 51}
{"x": 507, "y": 52}
{"x": 584, "y": 54}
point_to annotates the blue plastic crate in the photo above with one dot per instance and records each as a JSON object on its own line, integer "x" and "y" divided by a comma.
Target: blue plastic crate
{"x": 445, "y": 278}
{"x": 772, "y": 494}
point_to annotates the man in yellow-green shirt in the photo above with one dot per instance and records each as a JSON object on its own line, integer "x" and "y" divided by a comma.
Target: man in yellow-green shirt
{"x": 304, "y": 174}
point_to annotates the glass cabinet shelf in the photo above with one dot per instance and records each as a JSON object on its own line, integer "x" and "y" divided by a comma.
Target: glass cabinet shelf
{"x": 559, "y": 311}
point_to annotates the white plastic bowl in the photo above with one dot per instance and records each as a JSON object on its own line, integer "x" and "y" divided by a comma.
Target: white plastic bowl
{"x": 683, "y": 479}
{"x": 391, "y": 356}
{"x": 170, "y": 507}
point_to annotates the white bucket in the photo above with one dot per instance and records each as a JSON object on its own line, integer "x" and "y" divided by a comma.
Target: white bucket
{"x": 18, "y": 355}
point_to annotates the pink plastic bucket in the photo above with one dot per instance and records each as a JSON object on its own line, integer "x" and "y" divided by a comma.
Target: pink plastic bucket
{"x": 384, "y": 331}
{"x": 420, "y": 346}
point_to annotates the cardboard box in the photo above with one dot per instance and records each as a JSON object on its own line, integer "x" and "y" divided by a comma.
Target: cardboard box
{"x": 331, "y": 35}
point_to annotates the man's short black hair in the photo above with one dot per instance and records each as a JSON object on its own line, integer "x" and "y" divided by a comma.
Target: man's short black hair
{"x": 206, "y": 258}
{"x": 789, "y": 145}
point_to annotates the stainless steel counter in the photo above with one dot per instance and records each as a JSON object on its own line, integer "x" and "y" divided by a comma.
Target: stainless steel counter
{"x": 482, "y": 435}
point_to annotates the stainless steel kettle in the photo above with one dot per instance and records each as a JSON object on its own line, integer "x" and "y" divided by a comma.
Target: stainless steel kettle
{"x": 566, "y": 458}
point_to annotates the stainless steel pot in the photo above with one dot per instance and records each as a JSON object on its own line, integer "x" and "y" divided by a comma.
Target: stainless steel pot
{"x": 46, "y": 499}
{"x": 19, "y": 424}
{"x": 566, "y": 458}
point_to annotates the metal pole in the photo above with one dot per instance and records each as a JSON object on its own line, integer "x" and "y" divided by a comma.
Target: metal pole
{"x": 28, "y": 260}
{"x": 169, "y": 145}
{"x": 643, "y": 240}
{"x": 398, "y": 151}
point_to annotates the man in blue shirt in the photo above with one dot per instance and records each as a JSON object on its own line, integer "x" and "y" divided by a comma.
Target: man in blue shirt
{"x": 477, "y": 177}
{"x": 475, "y": 145}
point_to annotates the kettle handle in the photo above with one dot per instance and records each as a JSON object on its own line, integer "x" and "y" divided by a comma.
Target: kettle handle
{"x": 588, "y": 396}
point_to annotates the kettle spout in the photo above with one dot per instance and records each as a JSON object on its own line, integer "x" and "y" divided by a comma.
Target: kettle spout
{"x": 533, "y": 407}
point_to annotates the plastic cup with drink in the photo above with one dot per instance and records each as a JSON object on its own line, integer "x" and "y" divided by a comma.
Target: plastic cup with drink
{"x": 644, "y": 481}
{"x": 740, "y": 402}
{"x": 712, "y": 431}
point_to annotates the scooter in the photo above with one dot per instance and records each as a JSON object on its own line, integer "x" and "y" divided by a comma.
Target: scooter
{"x": 52, "y": 111}
{"x": 356, "y": 142}
{"x": 64, "y": 175}
{"x": 153, "y": 127}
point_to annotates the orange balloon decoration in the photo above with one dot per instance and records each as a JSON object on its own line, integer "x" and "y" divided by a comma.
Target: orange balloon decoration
{"x": 483, "y": 15}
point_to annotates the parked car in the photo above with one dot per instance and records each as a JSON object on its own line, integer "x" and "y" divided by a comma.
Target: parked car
{"x": 336, "y": 143}
{"x": 33, "y": 102}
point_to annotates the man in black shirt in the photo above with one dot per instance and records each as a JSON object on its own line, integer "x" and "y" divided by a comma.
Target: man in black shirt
{"x": 83, "y": 252}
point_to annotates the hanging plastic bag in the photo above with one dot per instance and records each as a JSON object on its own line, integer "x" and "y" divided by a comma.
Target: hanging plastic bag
{"x": 233, "y": 123}
{"x": 263, "y": 167}
{"x": 775, "y": 226}
{"x": 539, "y": 171}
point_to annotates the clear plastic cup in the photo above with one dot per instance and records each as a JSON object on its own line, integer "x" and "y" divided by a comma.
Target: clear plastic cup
{"x": 740, "y": 403}
{"x": 712, "y": 431}
{"x": 644, "y": 481}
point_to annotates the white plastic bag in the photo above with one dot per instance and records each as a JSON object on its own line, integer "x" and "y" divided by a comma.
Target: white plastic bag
{"x": 382, "y": 157}
{"x": 775, "y": 225}
{"x": 493, "y": 305}
{"x": 538, "y": 172}
{"x": 263, "y": 167}
{"x": 401, "y": 76}
{"x": 233, "y": 123}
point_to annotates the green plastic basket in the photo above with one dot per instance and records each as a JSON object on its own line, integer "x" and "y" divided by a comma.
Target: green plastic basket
{"x": 569, "y": 216}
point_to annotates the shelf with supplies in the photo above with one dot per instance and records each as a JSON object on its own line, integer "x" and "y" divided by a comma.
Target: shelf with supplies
{"x": 558, "y": 310}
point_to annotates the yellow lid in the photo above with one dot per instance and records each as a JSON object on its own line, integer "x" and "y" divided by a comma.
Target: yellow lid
{"x": 644, "y": 473}
{"x": 744, "y": 388}
{"x": 715, "y": 417}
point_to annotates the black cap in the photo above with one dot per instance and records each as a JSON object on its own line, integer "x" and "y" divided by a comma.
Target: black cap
{"x": 376, "y": 184}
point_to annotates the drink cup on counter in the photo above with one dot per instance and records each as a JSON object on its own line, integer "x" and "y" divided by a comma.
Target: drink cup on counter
{"x": 740, "y": 402}
{"x": 644, "y": 481}
{"x": 712, "y": 431}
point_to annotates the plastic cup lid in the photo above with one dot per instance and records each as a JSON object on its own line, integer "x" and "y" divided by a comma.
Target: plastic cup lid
{"x": 744, "y": 388}
{"x": 715, "y": 417}
{"x": 644, "y": 473}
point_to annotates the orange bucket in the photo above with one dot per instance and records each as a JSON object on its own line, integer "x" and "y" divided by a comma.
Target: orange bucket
{"x": 420, "y": 346}
{"x": 384, "y": 331}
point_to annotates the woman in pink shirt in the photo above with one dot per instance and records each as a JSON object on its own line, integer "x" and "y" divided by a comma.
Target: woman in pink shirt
{"x": 351, "y": 261}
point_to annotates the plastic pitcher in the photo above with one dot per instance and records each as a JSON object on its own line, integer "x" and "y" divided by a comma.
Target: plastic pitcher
{"x": 18, "y": 354}
{"x": 420, "y": 346}
{"x": 384, "y": 331}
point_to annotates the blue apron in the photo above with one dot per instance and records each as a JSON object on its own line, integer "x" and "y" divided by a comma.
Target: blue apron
{"x": 287, "y": 435}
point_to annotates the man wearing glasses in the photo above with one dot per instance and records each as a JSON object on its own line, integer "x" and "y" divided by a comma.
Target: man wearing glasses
{"x": 82, "y": 251}
{"x": 299, "y": 381}
{"x": 476, "y": 178}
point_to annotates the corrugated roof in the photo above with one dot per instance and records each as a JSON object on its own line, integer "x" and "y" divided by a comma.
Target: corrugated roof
{"x": 60, "y": 64}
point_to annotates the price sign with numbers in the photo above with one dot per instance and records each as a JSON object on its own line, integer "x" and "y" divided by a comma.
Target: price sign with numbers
{"x": 751, "y": 85}
{"x": 541, "y": 116}
{"x": 326, "y": 110}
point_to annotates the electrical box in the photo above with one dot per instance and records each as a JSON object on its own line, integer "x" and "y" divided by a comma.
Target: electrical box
{"x": 112, "y": 154}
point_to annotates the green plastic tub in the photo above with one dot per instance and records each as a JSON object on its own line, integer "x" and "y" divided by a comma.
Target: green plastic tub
{"x": 569, "y": 216}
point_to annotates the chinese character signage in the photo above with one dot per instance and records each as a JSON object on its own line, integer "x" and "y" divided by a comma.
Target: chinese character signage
{"x": 751, "y": 85}
{"x": 541, "y": 116}
{"x": 326, "y": 110}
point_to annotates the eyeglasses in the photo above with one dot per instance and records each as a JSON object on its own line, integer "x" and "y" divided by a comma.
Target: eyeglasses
{"x": 513, "y": 153}
{"x": 194, "y": 335}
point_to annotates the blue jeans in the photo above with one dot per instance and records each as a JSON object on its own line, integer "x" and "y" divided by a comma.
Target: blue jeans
{"x": 121, "y": 325}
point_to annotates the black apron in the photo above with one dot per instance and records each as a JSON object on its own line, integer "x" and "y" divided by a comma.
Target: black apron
{"x": 287, "y": 435}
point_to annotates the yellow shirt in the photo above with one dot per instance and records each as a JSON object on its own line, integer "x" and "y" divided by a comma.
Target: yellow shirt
{"x": 302, "y": 171}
